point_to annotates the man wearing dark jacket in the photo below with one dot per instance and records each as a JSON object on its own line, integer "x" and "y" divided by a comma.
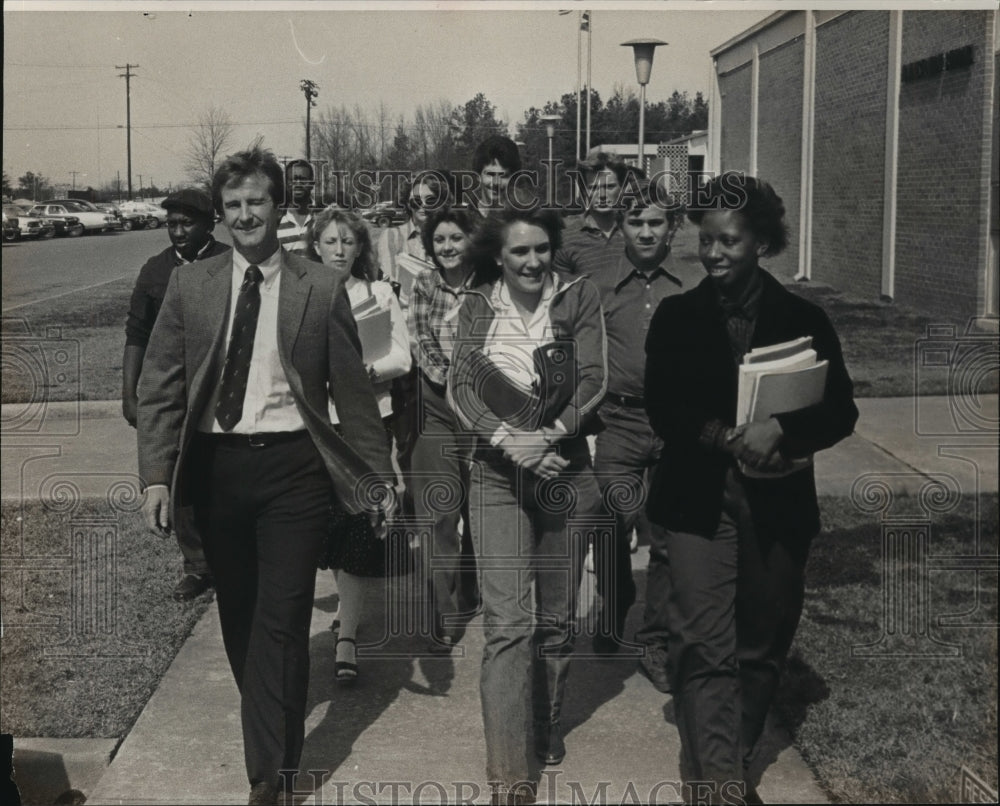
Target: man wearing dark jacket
{"x": 190, "y": 221}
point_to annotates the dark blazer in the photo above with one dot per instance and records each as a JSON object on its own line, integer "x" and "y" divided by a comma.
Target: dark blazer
{"x": 320, "y": 353}
{"x": 151, "y": 285}
{"x": 691, "y": 378}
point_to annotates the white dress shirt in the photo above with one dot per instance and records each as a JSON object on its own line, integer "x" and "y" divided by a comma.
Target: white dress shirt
{"x": 268, "y": 405}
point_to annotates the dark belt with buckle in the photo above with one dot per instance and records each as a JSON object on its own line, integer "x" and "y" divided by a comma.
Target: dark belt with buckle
{"x": 628, "y": 401}
{"x": 264, "y": 439}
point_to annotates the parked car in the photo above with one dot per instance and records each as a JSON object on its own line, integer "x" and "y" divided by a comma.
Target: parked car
{"x": 64, "y": 224}
{"x": 129, "y": 220}
{"x": 29, "y": 226}
{"x": 385, "y": 214}
{"x": 159, "y": 215}
{"x": 91, "y": 220}
{"x": 11, "y": 230}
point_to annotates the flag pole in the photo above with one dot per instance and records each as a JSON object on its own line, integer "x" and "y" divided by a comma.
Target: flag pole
{"x": 590, "y": 25}
{"x": 579, "y": 70}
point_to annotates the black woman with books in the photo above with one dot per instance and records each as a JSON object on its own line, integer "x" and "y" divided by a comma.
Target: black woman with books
{"x": 744, "y": 382}
{"x": 527, "y": 374}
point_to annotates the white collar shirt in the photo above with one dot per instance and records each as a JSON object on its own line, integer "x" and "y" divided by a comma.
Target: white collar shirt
{"x": 269, "y": 405}
{"x": 511, "y": 340}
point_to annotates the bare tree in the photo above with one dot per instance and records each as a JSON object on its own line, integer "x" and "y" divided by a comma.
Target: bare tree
{"x": 435, "y": 134}
{"x": 209, "y": 140}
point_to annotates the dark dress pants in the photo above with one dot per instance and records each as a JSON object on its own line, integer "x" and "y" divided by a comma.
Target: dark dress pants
{"x": 737, "y": 599}
{"x": 189, "y": 542}
{"x": 262, "y": 514}
{"x": 626, "y": 450}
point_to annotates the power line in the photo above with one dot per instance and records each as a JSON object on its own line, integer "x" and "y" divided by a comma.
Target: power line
{"x": 50, "y": 64}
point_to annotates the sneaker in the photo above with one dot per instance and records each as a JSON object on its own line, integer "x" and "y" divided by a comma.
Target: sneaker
{"x": 192, "y": 586}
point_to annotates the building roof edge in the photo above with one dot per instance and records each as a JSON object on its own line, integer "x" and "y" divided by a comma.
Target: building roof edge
{"x": 751, "y": 31}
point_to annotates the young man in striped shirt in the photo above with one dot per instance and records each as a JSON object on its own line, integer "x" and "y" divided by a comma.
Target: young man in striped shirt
{"x": 293, "y": 229}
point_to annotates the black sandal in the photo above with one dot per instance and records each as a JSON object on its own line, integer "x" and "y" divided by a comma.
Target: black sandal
{"x": 346, "y": 672}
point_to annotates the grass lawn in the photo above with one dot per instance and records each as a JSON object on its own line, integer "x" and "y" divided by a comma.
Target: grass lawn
{"x": 93, "y": 683}
{"x": 92, "y": 322}
{"x": 894, "y": 729}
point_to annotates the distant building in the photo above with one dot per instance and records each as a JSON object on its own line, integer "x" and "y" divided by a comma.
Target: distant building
{"x": 681, "y": 157}
{"x": 879, "y": 130}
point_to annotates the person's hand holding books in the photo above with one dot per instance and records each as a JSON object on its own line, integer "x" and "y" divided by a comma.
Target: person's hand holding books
{"x": 756, "y": 445}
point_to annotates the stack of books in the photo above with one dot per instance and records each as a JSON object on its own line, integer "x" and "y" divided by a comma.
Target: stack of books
{"x": 776, "y": 379}
{"x": 374, "y": 329}
{"x": 408, "y": 268}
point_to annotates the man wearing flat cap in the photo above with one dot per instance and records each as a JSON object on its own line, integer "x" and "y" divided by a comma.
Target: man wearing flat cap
{"x": 190, "y": 221}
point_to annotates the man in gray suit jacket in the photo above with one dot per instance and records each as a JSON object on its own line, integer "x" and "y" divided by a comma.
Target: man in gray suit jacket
{"x": 247, "y": 353}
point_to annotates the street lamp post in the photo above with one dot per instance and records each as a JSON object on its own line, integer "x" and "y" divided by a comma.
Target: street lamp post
{"x": 550, "y": 130}
{"x": 643, "y": 52}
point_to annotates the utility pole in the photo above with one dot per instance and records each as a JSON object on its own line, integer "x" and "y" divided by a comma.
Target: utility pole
{"x": 311, "y": 90}
{"x": 140, "y": 188}
{"x": 128, "y": 117}
{"x": 74, "y": 173}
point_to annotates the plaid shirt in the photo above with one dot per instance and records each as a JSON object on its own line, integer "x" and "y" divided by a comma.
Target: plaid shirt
{"x": 433, "y": 323}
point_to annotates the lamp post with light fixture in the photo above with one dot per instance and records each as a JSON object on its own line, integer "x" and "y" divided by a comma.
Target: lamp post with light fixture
{"x": 643, "y": 52}
{"x": 550, "y": 130}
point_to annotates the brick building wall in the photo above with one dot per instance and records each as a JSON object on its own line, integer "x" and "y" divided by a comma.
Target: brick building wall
{"x": 734, "y": 88}
{"x": 849, "y": 151}
{"x": 943, "y": 166}
{"x": 779, "y": 139}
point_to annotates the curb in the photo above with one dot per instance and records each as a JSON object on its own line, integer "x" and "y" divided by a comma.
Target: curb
{"x": 61, "y": 410}
{"x": 44, "y": 768}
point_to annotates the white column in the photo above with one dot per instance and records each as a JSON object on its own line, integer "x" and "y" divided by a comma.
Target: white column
{"x": 714, "y": 122}
{"x": 891, "y": 155}
{"x": 808, "y": 140}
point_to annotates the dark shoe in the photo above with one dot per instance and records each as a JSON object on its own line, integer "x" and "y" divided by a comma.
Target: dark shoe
{"x": 655, "y": 665}
{"x": 263, "y": 794}
{"x": 192, "y": 586}
{"x": 549, "y": 746}
{"x": 346, "y": 672}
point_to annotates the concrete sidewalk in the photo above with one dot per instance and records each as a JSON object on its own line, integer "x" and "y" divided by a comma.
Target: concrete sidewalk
{"x": 415, "y": 719}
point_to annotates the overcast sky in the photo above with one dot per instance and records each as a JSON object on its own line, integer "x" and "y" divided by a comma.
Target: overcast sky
{"x": 64, "y": 104}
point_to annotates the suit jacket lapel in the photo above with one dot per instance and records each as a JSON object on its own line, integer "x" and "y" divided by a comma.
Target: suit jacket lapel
{"x": 292, "y": 300}
{"x": 213, "y": 307}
